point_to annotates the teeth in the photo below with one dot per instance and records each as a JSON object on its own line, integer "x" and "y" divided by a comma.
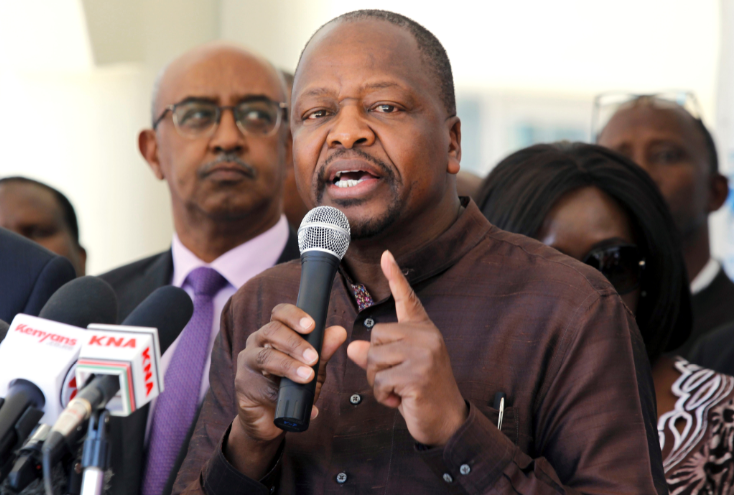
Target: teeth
{"x": 348, "y": 183}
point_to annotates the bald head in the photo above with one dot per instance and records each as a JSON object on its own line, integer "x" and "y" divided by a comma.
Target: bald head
{"x": 214, "y": 54}
{"x": 678, "y": 153}
{"x": 222, "y": 148}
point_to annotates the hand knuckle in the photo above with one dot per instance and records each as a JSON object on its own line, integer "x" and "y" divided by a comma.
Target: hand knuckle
{"x": 294, "y": 342}
{"x": 380, "y": 382}
{"x": 268, "y": 331}
{"x": 277, "y": 310}
{"x": 263, "y": 356}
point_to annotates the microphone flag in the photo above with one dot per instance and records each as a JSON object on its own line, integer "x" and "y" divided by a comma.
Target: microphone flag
{"x": 132, "y": 354}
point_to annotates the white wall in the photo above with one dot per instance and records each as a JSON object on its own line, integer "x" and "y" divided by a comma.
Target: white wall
{"x": 77, "y": 97}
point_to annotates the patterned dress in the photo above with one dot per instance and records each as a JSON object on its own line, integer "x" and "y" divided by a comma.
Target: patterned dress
{"x": 700, "y": 460}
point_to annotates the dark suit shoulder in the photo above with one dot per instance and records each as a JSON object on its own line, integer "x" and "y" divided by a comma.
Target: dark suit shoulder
{"x": 715, "y": 350}
{"x": 713, "y": 307}
{"x": 136, "y": 281}
{"x": 124, "y": 274}
{"x": 29, "y": 275}
{"x": 55, "y": 273}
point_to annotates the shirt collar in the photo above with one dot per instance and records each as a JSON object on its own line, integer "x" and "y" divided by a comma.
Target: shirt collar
{"x": 237, "y": 265}
{"x": 707, "y": 275}
{"x": 445, "y": 250}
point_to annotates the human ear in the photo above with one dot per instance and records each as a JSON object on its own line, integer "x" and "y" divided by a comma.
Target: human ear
{"x": 82, "y": 261}
{"x": 454, "y": 127}
{"x": 288, "y": 161}
{"x": 719, "y": 192}
{"x": 148, "y": 146}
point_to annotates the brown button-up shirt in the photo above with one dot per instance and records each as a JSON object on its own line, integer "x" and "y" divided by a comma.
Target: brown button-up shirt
{"x": 517, "y": 317}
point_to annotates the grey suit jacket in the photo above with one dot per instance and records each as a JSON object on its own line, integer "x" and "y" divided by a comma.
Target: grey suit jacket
{"x": 132, "y": 284}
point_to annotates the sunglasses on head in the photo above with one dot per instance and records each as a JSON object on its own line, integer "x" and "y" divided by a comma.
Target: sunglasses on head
{"x": 621, "y": 264}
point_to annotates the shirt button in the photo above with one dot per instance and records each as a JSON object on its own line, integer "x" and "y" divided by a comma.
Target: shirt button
{"x": 465, "y": 469}
{"x": 447, "y": 478}
{"x": 272, "y": 489}
{"x": 341, "y": 478}
{"x": 369, "y": 323}
{"x": 355, "y": 399}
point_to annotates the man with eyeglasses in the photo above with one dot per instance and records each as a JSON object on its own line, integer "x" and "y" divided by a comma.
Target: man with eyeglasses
{"x": 219, "y": 138}
{"x": 664, "y": 134}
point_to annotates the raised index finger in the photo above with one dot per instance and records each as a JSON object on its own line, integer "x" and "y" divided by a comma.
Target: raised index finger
{"x": 407, "y": 305}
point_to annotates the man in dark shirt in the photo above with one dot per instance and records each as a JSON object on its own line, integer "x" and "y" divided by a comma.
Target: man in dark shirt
{"x": 678, "y": 152}
{"x": 465, "y": 312}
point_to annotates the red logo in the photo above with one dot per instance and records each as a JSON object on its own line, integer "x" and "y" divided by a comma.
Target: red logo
{"x": 147, "y": 374}
{"x": 43, "y": 336}
{"x": 69, "y": 387}
{"x": 104, "y": 341}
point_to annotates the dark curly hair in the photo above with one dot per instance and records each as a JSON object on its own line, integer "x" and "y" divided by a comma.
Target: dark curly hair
{"x": 521, "y": 190}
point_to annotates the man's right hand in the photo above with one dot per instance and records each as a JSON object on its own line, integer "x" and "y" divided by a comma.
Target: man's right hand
{"x": 275, "y": 350}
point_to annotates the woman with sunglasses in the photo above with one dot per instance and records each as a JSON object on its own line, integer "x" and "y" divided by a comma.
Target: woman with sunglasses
{"x": 600, "y": 208}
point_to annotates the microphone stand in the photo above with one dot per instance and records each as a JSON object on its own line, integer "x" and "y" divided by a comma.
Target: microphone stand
{"x": 96, "y": 453}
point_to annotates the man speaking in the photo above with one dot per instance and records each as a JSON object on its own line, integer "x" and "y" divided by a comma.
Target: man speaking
{"x": 441, "y": 312}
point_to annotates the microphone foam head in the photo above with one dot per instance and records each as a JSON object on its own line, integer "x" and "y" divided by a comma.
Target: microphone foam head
{"x": 82, "y": 301}
{"x": 324, "y": 229}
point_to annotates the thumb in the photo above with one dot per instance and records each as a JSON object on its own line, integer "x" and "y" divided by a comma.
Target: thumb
{"x": 407, "y": 305}
{"x": 357, "y": 352}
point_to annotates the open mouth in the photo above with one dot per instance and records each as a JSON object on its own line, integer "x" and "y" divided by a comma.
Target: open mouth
{"x": 350, "y": 178}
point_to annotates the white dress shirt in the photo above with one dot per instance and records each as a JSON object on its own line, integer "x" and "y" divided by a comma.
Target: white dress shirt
{"x": 237, "y": 266}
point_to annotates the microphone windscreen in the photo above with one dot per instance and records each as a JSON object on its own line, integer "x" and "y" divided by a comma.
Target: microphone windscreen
{"x": 168, "y": 309}
{"x": 82, "y": 301}
{"x": 324, "y": 228}
{"x": 3, "y": 329}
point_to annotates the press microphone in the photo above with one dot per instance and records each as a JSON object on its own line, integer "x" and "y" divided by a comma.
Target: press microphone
{"x": 82, "y": 301}
{"x": 124, "y": 360}
{"x": 323, "y": 239}
{"x": 38, "y": 355}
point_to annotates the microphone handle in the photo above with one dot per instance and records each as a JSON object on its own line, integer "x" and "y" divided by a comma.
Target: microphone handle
{"x": 318, "y": 269}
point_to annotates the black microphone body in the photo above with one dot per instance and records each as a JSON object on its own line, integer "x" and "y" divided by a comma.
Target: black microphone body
{"x": 20, "y": 413}
{"x": 323, "y": 239}
{"x": 295, "y": 400}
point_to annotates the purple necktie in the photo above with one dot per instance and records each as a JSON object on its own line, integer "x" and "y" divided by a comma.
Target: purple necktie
{"x": 176, "y": 406}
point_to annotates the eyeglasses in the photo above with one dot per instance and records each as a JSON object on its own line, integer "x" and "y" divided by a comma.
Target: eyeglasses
{"x": 199, "y": 118}
{"x": 607, "y": 104}
{"x": 621, "y": 264}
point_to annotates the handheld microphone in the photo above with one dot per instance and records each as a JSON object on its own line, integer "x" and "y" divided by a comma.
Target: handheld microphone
{"x": 38, "y": 354}
{"x": 323, "y": 239}
{"x": 124, "y": 361}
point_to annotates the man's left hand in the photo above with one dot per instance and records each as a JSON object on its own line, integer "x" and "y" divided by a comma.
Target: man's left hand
{"x": 408, "y": 366}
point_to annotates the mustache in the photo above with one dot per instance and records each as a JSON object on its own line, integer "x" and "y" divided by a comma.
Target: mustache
{"x": 248, "y": 169}
{"x": 323, "y": 178}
